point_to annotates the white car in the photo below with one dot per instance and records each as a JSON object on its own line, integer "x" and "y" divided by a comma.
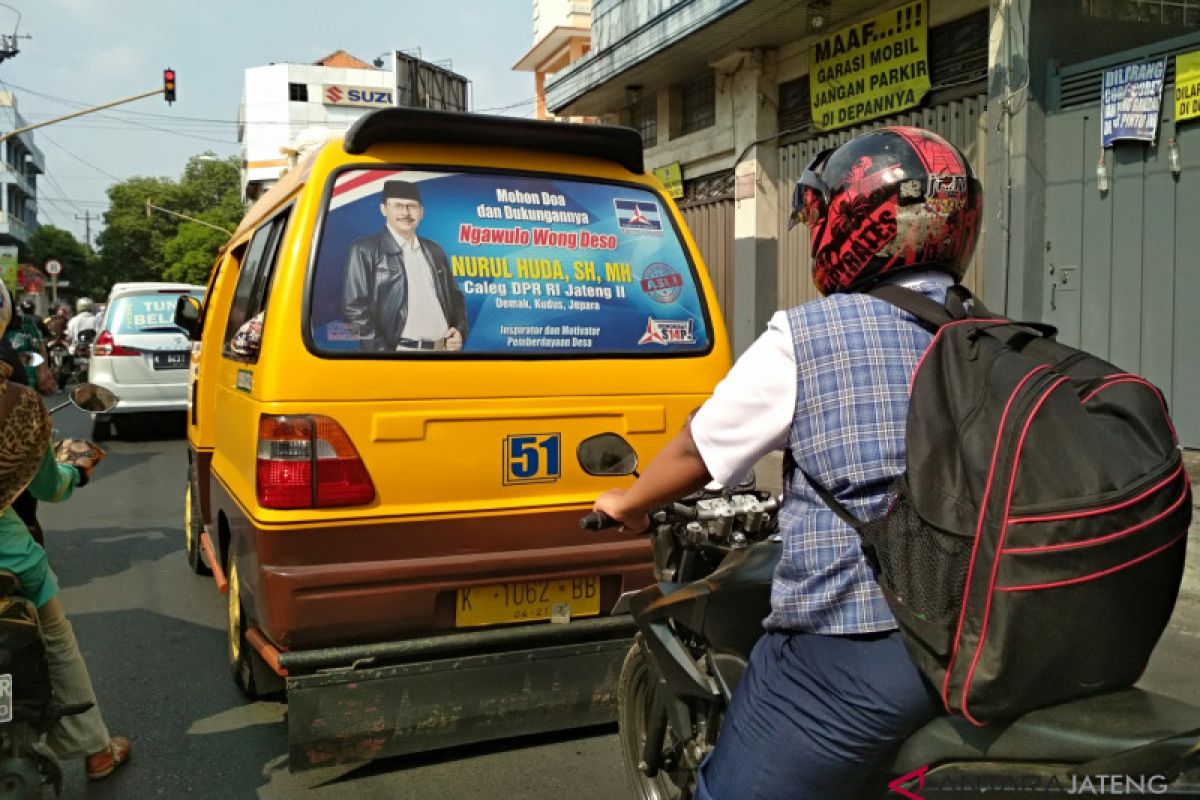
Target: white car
{"x": 139, "y": 353}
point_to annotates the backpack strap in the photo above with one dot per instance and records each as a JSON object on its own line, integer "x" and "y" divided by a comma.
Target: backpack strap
{"x": 931, "y": 315}
{"x": 834, "y": 504}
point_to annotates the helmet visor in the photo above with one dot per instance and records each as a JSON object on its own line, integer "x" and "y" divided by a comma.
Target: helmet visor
{"x": 810, "y": 198}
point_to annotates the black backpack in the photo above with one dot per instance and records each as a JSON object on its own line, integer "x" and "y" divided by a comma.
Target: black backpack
{"x": 1035, "y": 546}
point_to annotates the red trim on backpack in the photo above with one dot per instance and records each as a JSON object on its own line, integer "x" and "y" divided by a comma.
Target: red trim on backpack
{"x": 1101, "y": 539}
{"x": 987, "y": 609}
{"x": 1091, "y": 512}
{"x": 962, "y": 614}
{"x": 1094, "y": 575}
{"x": 1126, "y": 377}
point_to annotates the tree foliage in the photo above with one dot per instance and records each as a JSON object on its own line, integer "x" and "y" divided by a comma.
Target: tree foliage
{"x": 140, "y": 244}
{"x": 49, "y": 242}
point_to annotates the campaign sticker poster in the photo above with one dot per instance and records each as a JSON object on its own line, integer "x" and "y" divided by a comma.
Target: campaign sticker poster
{"x": 8, "y": 266}
{"x": 1187, "y": 86}
{"x": 416, "y": 263}
{"x": 1132, "y": 102}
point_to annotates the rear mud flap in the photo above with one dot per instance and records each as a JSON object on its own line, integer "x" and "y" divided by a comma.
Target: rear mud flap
{"x": 356, "y": 715}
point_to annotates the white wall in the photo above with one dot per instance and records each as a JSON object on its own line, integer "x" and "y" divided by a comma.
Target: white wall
{"x": 272, "y": 122}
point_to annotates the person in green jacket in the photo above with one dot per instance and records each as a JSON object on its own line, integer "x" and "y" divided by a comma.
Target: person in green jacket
{"x": 28, "y": 460}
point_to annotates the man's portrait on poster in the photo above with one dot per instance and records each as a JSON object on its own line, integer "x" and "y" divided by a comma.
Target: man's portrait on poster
{"x": 399, "y": 293}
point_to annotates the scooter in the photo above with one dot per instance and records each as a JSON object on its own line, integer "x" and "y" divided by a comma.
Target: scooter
{"x": 27, "y": 708}
{"x": 714, "y": 558}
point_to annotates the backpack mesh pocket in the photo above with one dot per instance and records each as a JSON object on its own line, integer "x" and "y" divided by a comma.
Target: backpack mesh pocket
{"x": 922, "y": 566}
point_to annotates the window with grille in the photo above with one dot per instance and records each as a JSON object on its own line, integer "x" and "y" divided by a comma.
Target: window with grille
{"x": 298, "y": 92}
{"x": 698, "y": 104}
{"x": 643, "y": 118}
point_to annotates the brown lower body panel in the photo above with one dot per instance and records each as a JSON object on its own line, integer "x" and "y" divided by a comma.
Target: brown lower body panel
{"x": 321, "y": 587}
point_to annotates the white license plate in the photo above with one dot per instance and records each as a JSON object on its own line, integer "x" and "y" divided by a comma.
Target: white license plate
{"x": 6, "y": 698}
{"x": 171, "y": 360}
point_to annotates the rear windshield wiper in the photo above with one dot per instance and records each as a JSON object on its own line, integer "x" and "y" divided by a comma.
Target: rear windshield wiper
{"x": 161, "y": 328}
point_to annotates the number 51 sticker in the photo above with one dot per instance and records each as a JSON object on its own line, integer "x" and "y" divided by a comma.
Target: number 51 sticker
{"x": 532, "y": 458}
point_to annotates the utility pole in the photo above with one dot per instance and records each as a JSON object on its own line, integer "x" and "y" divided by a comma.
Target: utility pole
{"x": 87, "y": 227}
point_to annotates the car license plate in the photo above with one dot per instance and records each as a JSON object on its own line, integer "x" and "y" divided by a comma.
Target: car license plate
{"x": 558, "y": 600}
{"x": 6, "y": 698}
{"x": 177, "y": 360}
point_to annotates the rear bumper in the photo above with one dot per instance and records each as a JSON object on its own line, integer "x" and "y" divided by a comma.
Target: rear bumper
{"x": 138, "y": 397}
{"x": 453, "y": 690}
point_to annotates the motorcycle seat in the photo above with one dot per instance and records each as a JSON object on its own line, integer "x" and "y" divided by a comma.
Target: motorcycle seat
{"x": 1070, "y": 733}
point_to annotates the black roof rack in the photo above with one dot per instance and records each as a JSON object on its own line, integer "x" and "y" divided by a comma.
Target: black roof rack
{"x": 622, "y": 145}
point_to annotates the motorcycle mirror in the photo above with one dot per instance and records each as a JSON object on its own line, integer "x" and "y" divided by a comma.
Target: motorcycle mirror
{"x": 90, "y": 397}
{"x": 87, "y": 335}
{"x": 32, "y": 359}
{"x": 607, "y": 454}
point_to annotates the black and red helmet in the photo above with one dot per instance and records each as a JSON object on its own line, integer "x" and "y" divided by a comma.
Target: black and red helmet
{"x": 893, "y": 199}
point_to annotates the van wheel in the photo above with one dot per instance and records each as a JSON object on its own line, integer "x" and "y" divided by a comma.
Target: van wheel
{"x": 251, "y": 674}
{"x": 193, "y": 526}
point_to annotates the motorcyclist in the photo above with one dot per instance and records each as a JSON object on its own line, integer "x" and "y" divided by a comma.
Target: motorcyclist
{"x": 57, "y": 323}
{"x": 30, "y": 462}
{"x": 84, "y": 319}
{"x": 28, "y": 334}
{"x": 830, "y": 690}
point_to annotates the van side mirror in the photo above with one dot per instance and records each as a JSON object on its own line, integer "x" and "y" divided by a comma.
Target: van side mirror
{"x": 187, "y": 315}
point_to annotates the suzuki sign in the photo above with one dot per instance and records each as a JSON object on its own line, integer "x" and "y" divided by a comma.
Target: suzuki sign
{"x": 337, "y": 94}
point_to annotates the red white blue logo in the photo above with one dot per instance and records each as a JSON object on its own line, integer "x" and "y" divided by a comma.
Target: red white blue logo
{"x": 638, "y": 215}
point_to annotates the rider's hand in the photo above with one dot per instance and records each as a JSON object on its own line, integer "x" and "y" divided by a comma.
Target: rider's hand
{"x": 612, "y": 502}
{"x": 81, "y": 454}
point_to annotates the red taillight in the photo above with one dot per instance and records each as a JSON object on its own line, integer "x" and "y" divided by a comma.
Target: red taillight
{"x": 292, "y": 448}
{"x": 105, "y": 346}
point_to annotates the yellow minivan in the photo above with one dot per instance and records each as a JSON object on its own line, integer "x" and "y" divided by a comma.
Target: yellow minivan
{"x": 400, "y": 349}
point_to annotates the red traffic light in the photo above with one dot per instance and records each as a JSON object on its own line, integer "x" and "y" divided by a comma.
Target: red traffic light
{"x": 169, "y": 85}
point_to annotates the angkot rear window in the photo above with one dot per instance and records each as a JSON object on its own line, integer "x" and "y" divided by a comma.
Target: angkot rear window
{"x": 414, "y": 263}
{"x": 145, "y": 313}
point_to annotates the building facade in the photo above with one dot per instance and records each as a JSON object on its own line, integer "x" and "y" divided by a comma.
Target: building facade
{"x": 723, "y": 92}
{"x": 20, "y": 163}
{"x": 720, "y": 91}
{"x": 561, "y": 36}
{"x": 288, "y": 109}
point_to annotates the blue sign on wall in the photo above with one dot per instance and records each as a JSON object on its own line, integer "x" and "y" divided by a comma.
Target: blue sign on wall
{"x": 1132, "y": 101}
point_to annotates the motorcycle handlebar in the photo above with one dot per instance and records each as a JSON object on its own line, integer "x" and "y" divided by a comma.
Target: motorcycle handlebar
{"x": 597, "y": 521}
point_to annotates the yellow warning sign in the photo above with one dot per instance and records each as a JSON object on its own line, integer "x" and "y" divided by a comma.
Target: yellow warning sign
{"x": 877, "y": 67}
{"x": 1187, "y": 86}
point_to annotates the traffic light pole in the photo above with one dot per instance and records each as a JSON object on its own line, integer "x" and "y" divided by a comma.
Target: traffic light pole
{"x": 150, "y": 205}
{"x": 10, "y": 134}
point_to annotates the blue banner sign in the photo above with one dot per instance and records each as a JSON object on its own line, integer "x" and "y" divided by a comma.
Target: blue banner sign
{"x": 414, "y": 263}
{"x": 1132, "y": 102}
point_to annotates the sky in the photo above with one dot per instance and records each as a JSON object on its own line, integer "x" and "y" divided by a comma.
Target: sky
{"x": 89, "y": 52}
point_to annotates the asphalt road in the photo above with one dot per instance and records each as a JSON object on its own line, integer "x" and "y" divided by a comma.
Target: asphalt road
{"x": 153, "y": 635}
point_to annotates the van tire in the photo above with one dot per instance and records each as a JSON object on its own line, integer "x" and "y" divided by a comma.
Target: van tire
{"x": 193, "y": 526}
{"x": 251, "y": 674}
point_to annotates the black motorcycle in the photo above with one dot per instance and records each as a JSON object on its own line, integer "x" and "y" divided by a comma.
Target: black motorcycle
{"x": 61, "y": 360}
{"x": 28, "y": 710}
{"x": 714, "y": 558}
{"x": 81, "y": 356}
